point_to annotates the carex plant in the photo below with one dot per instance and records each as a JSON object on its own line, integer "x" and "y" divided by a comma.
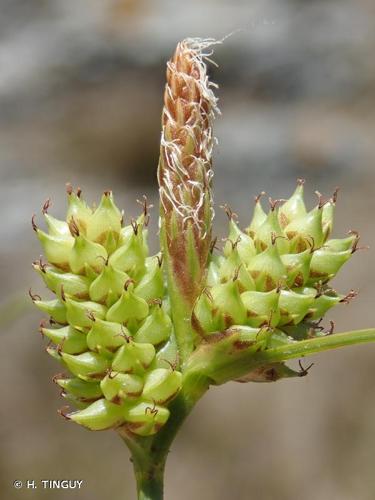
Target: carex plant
{"x": 139, "y": 338}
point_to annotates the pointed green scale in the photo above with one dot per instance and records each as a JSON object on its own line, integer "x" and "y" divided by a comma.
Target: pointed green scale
{"x": 58, "y": 228}
{"x": 294, "y": 208}
{"x": 342, "y": 244}
{"x": 233, "y": 268}
{"x": 129, "y": 309}
{"x": 205, "y": 318}
{"x": 156, "y": 328}
{"x": 56, "y": 249}
{"x": 76, "y": 402}
{"x": 88, "y": 365}
{"x": 259, "y": 216}
{"x": 78, "y": 211}
{"x": 56, "y": 280}
{"x": 298, "y": 267}
{"x": 151, "y": 285}
{"x": 325, "y": 264}
{"x": 81, "y": 389}
{"x": 145, "y": 419}
{"x": 264, "y": 234}
{"x": 328, "y": 216}
{"x": 293, "y": 307}
{"x": 130, "y": 257}
{"x": 110, "y": 243}
{"x": 241, "y": 241}
{"x": 213, "y": 271}
{"x": 267, "y": 269}
{"x": 306, "y": 231}
{"x": 106, "y": 335}
{"x": 161, "y": 385}
{"x": 106, "y": 219}
{"x": 108, "y": 285}
{"x": 227, "y": 300}
{"x": 81, "y": 314}
{"x": 70, "y": 340}
{"x": 128, "y": 230}
{"x": 262, "y": 307}
{"x": 133, "y": 357}
{"x": 322, "y": 304}
{"x": 54, "y": 308}
{"x": 56, "y": 355}
{"x": 167, "y": 355}
{"x": 120, "y": 386}
{"x": 87, "y": 253}
{"x": 100, "y": 415}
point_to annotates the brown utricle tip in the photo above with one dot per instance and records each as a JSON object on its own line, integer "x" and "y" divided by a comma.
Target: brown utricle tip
{"x": 33, "y": 223}
{"x": 273, "y": 203}
{"x": 128, "y": 283}
{"x": 90, "y": 315}
{"x": 156, "y": 302}
{"x": 135, "y": 226}
{"x": 69, "y": 188}
{"x": 64, "y": 412}
{"x": 304, "y": 371}
{"x": 321, "y": 200}
{"x": 46, "y": 206}
{"x": 259, "y": 196}
{"x": 34, "y": 297}
{"x": 352, "y": 294}
{"x": 58, "y": 376}
{"x": 229, "y": 212}
{"x": 335, "y": 195}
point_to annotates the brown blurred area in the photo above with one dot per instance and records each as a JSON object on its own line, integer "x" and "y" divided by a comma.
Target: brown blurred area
{"x": 80, "y": 98}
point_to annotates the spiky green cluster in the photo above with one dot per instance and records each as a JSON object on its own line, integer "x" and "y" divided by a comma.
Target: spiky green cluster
{"x": 110, "y": 327}
{"x": 275, "y": 274}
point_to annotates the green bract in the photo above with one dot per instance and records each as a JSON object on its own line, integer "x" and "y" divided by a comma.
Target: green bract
{"x": 109, "y": 321}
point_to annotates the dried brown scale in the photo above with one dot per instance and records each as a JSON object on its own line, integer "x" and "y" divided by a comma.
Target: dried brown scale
{"x": 184, "y": 172}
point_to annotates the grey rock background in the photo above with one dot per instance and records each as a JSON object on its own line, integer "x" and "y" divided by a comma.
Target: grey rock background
{"x": 80, "y": 97}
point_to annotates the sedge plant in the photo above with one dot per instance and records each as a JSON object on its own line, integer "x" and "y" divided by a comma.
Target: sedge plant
{"x": 140, "y": 338}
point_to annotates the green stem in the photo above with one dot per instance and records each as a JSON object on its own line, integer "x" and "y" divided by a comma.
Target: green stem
{"x": 149, "y": 454}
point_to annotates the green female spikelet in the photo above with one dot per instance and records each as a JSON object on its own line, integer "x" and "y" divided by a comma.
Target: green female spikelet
{"x": 108, "y": 320}
{"x": 276, "y": 274}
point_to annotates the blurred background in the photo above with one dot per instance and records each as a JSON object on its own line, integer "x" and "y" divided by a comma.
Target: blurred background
{"x": 80, "y": 99}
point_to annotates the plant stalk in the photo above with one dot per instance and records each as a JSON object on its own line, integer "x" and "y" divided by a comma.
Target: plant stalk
{"x": 149, "y": 454}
